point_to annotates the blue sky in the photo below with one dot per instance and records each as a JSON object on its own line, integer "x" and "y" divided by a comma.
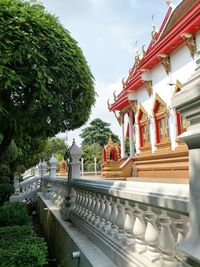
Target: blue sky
{"x": 106, "y": 31}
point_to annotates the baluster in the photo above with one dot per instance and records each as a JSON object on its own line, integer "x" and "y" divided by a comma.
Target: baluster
{"x": 106, "y": 213}
{"x": 84, "y": 204}
{"x": 113, "y": 218}
{"x": 91, "y": 206}
{"x": 151, "y": 236}
{"x": 120, "y": 221}
{"x": 92, "y": 215}
{"x": 101, "y": 210}
{"x": 128, "y": 224}
{"x": 77, "y": 200}
{"x": 81, "y": 202}
{"x": 182, "y": 228}
{"x": 166, "y": 241}
{"x": 87, "y": 208}
{"x": 96, "y": 210}
{"x": 139, "y": 228}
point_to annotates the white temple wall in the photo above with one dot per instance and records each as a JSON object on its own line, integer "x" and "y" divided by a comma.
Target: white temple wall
{"x": 182, "y": 65}
{"x": 160, "y": 81}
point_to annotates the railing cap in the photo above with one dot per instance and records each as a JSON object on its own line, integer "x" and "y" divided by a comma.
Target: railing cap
{"x": 53, "y": 160}
{"x": 74, "y": 149}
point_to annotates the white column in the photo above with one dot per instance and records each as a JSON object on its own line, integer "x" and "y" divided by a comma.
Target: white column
{"x": 95, "y": 166}
{"x": 137, "y": 138}
{"x": 82, "y": 166}
{"x": 122, "y": 140}
{"x": 152, "y": 132}
{"x": 131, "y": 133}
{"x": 172, "y": 127}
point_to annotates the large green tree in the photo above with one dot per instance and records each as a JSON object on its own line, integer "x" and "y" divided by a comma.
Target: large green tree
{"x": 45, "y": 82}
{"x": 97, "y": 132}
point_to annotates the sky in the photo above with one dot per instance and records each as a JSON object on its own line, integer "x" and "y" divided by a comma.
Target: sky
{"x": 107, "y": 31}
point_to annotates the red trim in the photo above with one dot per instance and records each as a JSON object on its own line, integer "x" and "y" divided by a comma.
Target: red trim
{"x": 120, "y": 103}
{"x": 157, "y": 131}
{"x": 141, "y": 135}
{"x": 178, "y": 120}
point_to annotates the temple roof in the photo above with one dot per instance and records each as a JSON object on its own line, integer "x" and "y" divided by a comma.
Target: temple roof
{"x": 185, "y": 18}
{"x": 178, "y": 13}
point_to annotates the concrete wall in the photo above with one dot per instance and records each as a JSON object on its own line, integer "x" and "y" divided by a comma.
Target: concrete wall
{"x": 64, "y": 238}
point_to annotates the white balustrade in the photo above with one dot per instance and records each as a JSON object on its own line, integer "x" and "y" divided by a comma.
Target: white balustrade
{"x": 113, "y": 218}
{"x": 166, "y": 241}
{"x": 128, "y": 224}
{"x": 139, "y": 229}
{"x": 120, "y": 221}
{"x": 151, "y": 235}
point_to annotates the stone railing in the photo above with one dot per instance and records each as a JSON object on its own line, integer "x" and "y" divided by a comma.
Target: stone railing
{"x": 133, "y": 223}
{"x": 29, "y": 188}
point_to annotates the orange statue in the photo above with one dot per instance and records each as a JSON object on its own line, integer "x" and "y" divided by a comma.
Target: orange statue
{"x": 62, "y": 168}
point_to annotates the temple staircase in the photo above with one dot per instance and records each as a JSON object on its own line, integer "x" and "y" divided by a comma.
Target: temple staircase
{"x": 117, "y": 169}
{"x": 163, "y": 163}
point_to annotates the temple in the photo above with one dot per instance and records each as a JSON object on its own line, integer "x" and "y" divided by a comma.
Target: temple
{"x": 144, "y": 106}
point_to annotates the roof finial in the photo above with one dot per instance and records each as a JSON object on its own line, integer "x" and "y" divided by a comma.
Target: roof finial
{"x": 155, "y": 29}
{"x": 137, "y": 57}
{"x": 143, "y": 51}
{"x": 169, "y": 2}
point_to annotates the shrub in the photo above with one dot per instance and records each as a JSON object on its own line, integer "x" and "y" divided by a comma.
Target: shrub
{"x": 14, "y": 214}
{"x": 20, "y": 247}
{"x": 6, "y": 189}
{"x": 4, "y": 169}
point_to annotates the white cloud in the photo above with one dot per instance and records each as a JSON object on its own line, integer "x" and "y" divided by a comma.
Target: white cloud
{"x": 100, "y": 110}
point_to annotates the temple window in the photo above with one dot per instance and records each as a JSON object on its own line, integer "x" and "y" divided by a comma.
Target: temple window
{"x": 161, "y": 120}
{"x": 182, "y": 122}
{"x": 143, "y": 127}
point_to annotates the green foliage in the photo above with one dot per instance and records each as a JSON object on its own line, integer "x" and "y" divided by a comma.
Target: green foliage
{"x": 29, "y": 149}
{"x": 45, "y": 81}
{"x": 54, "y": 146}
{"x": 6, "y": 189}
{"x": 11, "y": 153}
{"x": 14, "y": 214}
{"x": 4, "y": 169}
{"x": 19, "y": 246}
{"x": 89, "y": 153}
{"x": 97, "y": 132}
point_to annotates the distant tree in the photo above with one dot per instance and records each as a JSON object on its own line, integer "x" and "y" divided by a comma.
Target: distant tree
{"x": 97, "y": 132}
{"x": 90, "y": 152}
{"x": 45, "y": 82}
{"x": 54, "y": 146}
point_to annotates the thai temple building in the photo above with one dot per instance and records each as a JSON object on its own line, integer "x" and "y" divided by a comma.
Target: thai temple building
{"x": 145, "y": 100}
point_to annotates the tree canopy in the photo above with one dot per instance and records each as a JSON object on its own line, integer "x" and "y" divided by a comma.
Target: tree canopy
{"x": 97, "y": 132}
{"x": 45, "y": 82}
